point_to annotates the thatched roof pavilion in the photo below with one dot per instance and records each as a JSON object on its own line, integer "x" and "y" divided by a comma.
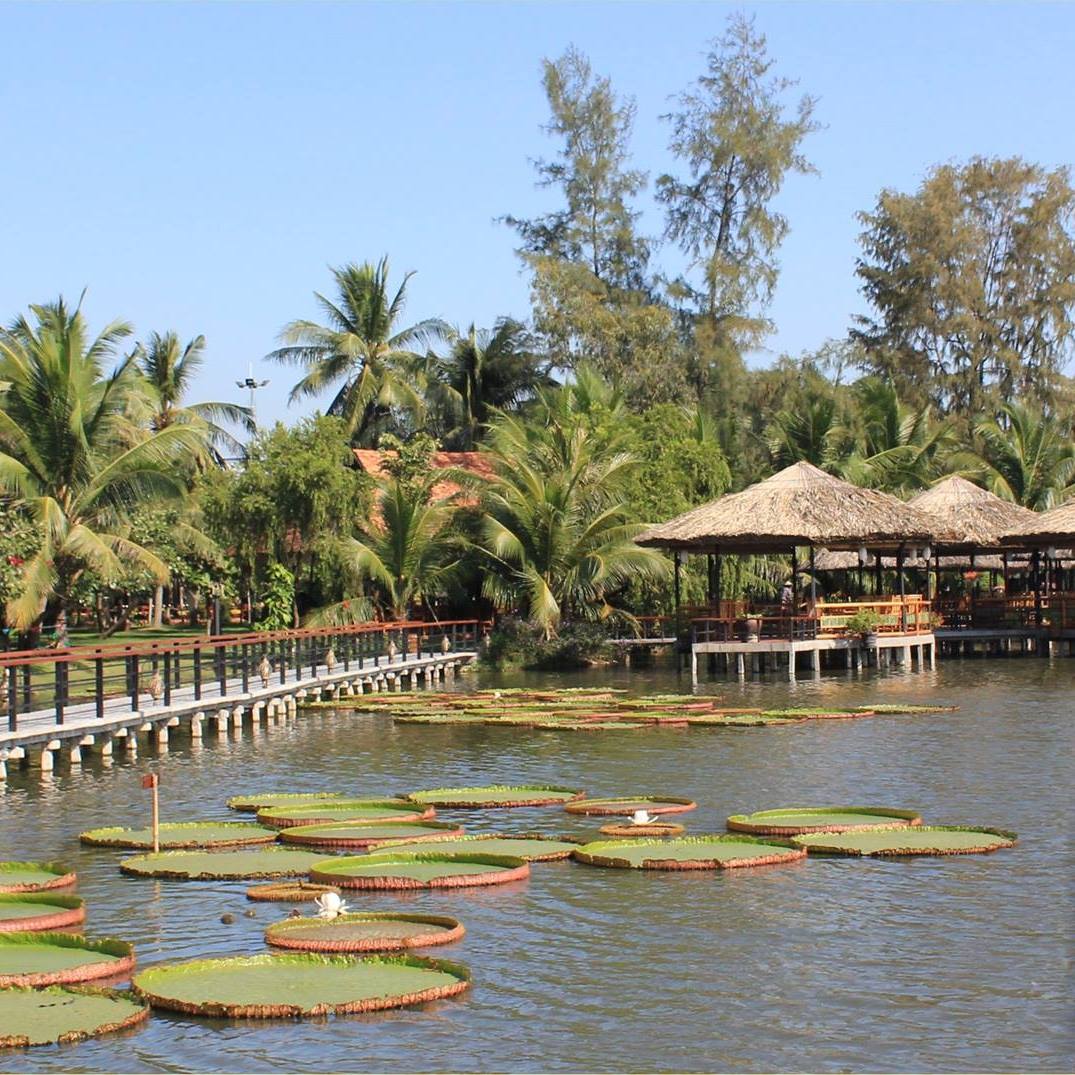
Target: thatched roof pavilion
{"x": 1055, "y": 527}
{"x": 969, "y": 518}
{"x": 798, "y": 506}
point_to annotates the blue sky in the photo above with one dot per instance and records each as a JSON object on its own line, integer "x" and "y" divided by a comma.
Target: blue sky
{"x": 198, "y": 166}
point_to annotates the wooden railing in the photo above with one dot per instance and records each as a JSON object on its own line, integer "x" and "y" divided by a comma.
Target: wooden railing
{"x": 895, "y": 615}
{"x": 55, "y": 679}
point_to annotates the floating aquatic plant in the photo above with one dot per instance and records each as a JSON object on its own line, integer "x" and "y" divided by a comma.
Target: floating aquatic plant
{"x": 60, "y": 1016}
{"x": 30, "y": 911}
{"x": 367, "y": 932}
{"x": 919, "y": 840}
{"x": 493, "y": 795}
{"x": 689, "y": 853}
{"x": 795, "y": 820}
{"x": 34, "y": 876}
{"x": 60, "y": 958}
{"x": 405, "y": 870}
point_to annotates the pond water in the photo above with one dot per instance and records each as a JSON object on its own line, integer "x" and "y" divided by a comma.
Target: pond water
{"x": 930, "y": 964}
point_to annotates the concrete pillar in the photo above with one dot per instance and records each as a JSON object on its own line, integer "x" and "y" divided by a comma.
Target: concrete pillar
{"x": 196, "y": 726}
{"x": 74, "y": 753}
{"x": 46, "y": 760}
{"x": 3, "y": 768}
{"x": 694, "y": 665}
{"x": 237, "y": 721}
{"x": 221, "y": 723}
{"x": 815, "y": 661}
{"x": 740, "y": 665}
{"x": 161, "y": 734}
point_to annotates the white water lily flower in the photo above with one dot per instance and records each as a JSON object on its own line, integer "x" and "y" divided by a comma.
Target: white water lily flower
{"x": 329, "y": 905}
{"x": 643, "y": 817}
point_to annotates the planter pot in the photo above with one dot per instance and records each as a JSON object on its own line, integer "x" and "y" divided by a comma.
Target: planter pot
{"x": 870, "y": 638}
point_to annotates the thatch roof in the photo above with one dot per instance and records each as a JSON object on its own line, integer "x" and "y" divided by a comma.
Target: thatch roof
{"x": 1047, "y": 528}
{"x": 827, "y": 560}
{"x": 970, "y": 517}
{"x": 800, "y": 505}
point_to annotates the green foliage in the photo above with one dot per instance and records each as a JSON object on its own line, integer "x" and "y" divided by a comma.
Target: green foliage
{"x": 731, "y": 132}
{"x": 73, "y": 458}
{"x": 19, "y": 542}
{"x": 277, "y": 599}
{"x": 1023, "y": 456}
{"x": 557, "y": 531}
{"x": 863, "y": 622}
{"x": 361, "y": 351}
{"x": 972, "y": 278}
{"x": 520, "y": 644}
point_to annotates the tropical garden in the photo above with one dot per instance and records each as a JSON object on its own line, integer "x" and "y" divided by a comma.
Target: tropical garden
{"x": 622, "y": 397}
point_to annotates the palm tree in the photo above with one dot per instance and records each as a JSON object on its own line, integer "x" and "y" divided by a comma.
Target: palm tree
{"x": 894, "y": 447}
{"x": 555, "y": 530}
{"x": 169, "y": 369}
{"x": 409, "y": 553}
{"x": 1022, "y": 455}
{"x": 484, "y": 371}
{"x": 73, "y": 458}
{"x": 360, "y": 351}
{"x": 808, "y": 432}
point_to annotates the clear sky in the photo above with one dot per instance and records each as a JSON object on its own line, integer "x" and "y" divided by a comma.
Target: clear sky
{"x": 198, "y": 166}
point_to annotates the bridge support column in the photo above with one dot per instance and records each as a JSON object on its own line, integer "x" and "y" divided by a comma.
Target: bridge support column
{"x": 3, "y": 768}
{"x": 221, "y": 723}
{"x": 46, "y": 758}
{"x": 237, "y": 721}
{"x": 196, "y": 726}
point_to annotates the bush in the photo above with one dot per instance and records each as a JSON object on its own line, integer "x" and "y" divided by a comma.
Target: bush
{"x": 517, "y": 643}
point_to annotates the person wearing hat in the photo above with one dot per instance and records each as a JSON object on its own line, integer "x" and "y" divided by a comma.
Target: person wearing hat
{"x": 787, "y": 597}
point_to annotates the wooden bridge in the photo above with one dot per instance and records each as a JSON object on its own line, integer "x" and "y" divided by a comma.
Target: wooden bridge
{"x": 63, "y": 702}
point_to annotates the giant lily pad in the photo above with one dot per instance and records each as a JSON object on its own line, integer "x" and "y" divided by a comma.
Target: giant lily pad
{"x": 59, "y": 958}
{"x": 529, "y": 846}
{"x": 402, "y": 870}
{"x": 795, "y": 820}
{"x": 278, "y": 986}
{"x": 816, "y": 713}
{"x": 627, "y": 805}
{"x": 222, "y": 865}
{"x": 688, "y": 853}
{"x": 638, "y": 832}
{"x": 26, "y": 912}
{"x": 288, "y": 892}
{"x": 57, "y": 1016}
{"x": 34, "y": 876}
{"x": 921, "y": 840}
{"x": 497, "y": 795}
{"x": 358, "y": 835}
{"x": 364, "y": 932}
{"x": 900, "y": 708}
{"x": 439, "y": 718}
{"x": 254, "y": 801}
{"x": 180, "y": 834}
{"x": 335, "y": 810}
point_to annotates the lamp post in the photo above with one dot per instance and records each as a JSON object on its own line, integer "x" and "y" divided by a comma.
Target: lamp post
{"x": 253, "y": 386}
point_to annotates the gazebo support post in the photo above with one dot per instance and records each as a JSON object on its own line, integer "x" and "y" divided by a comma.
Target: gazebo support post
{"x": 719, "y": 563}
{"x": 1035, "y": 575}
{"x": 878, "y": 580}
{"x": 813, "y": 580}
{"x": 903, "y": 589}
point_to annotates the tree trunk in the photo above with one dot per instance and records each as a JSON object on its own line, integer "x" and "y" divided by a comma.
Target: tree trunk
{"x": 158, "y": 607}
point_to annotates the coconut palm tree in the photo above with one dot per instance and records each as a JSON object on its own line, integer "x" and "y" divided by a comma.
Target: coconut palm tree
{"x": 555, "y": 531}
{"x": 893, "y": 446}
{"x": 1022, "y": 455}
{"x": 361, "y": 351}
{"x": 809, "y": 432}
{"x": 409, "y": 553}
{"x": 484, "y": 371}
{"x": 169, "y": 368}
{"x": 73, "y": 458}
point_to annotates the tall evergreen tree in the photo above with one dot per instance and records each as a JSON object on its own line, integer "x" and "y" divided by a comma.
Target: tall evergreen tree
{"x": 972, "y": 279}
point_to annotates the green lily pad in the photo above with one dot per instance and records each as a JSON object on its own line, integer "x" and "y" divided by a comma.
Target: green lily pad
{"x": 920, "y": 840}
{"x": 899, "y": 708}
{"x": 254, "y": 801}
{"x": 34, "y": 876}
{"x": 280, "y": 986}
{"x": 626, "y": 805}
{"x": 640, "y": 832}
{"x": 319, "y": 813}
{"x": 497, "y": 795}
{"x": 795, "y": 820}
{"x": 60, "y": 958}
{"x": 688, "y": 853}
{"x": 402, "y": 870}
{"x": 222, "y": 865}
{"x": 179, "y": 834}
{"x": 26, "y": 912}
{"x": 288, "y": 892}
{"x": 816, "y": 713}
{"x": 439, "y": 718}
{"x": 372, "y": 932}
{"x": 58, "y": 1016}
{"x": 531, "y": 847}
{"x": 357, "y": 835}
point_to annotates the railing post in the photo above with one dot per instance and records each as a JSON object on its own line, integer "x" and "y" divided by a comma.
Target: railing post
{"x": 27, "y": 686}
{"x": 245, "y": 658}
{"x": 13, "y": 698}
{"x": 284, "y": 657}
{"x": 167, "y": 678}
{"x": 99, "y": 687}
{"x": 197, "y": 673}
{"x": 132, "y": 679}
{"x": 222, "y": 669}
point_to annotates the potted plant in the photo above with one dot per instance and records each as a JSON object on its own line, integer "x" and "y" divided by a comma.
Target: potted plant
{"x": 864, "y": 623}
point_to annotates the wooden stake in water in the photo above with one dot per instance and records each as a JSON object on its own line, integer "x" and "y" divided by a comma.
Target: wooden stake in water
{"x": 151, "y": 782}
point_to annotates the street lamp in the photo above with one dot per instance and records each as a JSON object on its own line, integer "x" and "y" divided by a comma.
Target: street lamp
{"x": 253, "y": 386}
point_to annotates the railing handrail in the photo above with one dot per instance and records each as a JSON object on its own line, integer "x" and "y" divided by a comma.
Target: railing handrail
{"x": 187, "y": 643}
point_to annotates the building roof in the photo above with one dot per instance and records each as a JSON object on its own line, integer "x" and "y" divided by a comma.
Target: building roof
{"x": 800, "y": 505}
{"x": 1053, "y": 527}
{"x": 969, "y": 517}
{"x": 372, "y": 462}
